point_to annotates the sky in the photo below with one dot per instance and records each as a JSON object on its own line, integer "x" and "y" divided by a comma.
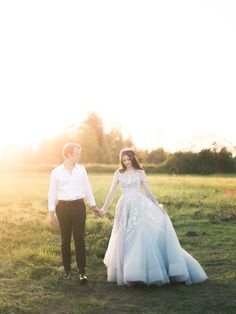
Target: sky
{"x": 164, "y": 72}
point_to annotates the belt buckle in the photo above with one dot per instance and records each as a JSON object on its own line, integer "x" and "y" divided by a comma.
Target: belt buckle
{"x": 69, "y": 201}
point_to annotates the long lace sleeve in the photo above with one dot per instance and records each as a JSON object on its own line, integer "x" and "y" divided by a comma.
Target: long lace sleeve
{"x": 111, "y": 192}
{"x": 147, "y": 189}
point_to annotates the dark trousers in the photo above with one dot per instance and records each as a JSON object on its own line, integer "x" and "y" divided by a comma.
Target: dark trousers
{"x": 72, "y": 217}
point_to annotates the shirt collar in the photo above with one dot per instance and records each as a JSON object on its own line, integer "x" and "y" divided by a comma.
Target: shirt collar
{"x": 64, "y": 167}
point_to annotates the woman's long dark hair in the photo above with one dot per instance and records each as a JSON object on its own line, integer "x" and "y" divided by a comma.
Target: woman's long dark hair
{"x": 131, "y": 154}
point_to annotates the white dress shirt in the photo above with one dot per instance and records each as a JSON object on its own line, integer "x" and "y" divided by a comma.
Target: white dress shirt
{"x": 69, "y": 186}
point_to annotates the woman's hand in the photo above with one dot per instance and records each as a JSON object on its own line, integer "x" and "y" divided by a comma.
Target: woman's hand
{"x": 161, "y": 208}
{"x": 102, "y": 212}
{"x": 99, "y": 212}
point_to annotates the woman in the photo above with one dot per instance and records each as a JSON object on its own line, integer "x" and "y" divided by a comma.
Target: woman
{"x": 144, "y": 247}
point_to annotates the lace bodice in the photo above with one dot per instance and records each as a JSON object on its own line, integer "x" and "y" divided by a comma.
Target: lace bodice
{"x": 130, "y": 181}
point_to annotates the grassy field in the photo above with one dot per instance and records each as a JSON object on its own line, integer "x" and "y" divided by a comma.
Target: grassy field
{"x": 203, "y": 212}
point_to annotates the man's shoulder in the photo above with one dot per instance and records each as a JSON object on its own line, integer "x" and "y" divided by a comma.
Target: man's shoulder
{"x": 80, "y": 167}
{"x": 58, "y": 168}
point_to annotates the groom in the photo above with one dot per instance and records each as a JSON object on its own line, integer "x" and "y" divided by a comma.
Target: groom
{"x": 69, "y": 184}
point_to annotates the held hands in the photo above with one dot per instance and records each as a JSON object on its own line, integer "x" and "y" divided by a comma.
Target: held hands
{"x": 100, "y": 212}
{"x": 95, "y": 209}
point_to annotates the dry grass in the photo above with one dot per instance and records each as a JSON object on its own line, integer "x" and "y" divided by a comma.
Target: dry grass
{"x": 202, "y": 210}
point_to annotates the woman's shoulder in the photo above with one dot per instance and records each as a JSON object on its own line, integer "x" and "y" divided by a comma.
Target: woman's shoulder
{"x": 117, "y": 172}
{"x": 142, "y": 174}
{"x": 120, "y": 171}
{"x": 141, "y": 171}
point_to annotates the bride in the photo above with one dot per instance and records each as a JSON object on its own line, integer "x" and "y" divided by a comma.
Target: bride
{"x": 143, "y": 247}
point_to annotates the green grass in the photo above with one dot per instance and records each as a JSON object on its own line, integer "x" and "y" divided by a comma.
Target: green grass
{"x": 202, "y": 209}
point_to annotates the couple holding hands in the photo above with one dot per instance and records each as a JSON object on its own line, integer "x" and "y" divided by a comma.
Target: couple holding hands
{"x": 143, "y": 247}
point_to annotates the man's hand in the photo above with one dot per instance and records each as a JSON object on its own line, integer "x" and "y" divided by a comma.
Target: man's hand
{"x": 95, "y": 209}
{"x": 53, "y": 219}
{"x": 98, "y": 212}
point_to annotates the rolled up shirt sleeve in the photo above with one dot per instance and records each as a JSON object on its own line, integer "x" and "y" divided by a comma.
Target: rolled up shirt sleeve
{"x": 88, "y": 190}
{"x": 52, "y": 194}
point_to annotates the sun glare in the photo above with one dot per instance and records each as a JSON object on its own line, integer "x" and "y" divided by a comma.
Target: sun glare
{"x": 147, "y": 80}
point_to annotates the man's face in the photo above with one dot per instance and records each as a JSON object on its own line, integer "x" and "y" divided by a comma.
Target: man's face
{"x": 75, "y": 157}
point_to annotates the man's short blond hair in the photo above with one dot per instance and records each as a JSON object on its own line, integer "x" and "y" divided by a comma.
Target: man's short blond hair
{"x": 69, "y": 149}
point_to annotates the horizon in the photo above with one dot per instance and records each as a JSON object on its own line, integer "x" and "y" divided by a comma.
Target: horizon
{"x": 195, "y": 143}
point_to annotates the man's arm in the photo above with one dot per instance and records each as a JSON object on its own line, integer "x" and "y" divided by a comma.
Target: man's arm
{"x": 88, "y": 192}
{"x": 52, "y": 197}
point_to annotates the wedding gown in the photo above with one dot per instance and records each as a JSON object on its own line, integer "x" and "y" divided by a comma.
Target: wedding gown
{"x": 143, "y": 247}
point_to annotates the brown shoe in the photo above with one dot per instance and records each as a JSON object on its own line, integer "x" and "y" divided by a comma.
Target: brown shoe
{"x": 67, "y": 275}
{"x": 83, "y": 278}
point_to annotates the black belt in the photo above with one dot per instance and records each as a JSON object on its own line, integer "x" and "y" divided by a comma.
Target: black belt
{"x": 70, "y": 201}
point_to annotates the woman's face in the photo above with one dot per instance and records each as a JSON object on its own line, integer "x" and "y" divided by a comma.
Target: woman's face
{"x": 126, "y": 161}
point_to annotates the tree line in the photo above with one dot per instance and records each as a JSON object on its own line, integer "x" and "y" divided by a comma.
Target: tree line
{"x": 99, "y": 147}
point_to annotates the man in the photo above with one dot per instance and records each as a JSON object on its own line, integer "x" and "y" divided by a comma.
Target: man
{"x": 69, "y": 184}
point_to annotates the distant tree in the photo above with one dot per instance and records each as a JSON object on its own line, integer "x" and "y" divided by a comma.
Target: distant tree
{"x": 206, "y": 161}
{"x": 156, "y": 156}
{"x": 234, "y": 161}
{"x": 142, "y": 155}
{"x": 183, "y": 162}
{"x": 90, "y": 135}
{"x": 114, "y": 142}
{"x": 98, "y": 146}
{"x": 224, "y": 161}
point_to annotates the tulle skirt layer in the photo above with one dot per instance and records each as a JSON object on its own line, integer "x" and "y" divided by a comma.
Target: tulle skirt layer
{"x": 144, "y": 248}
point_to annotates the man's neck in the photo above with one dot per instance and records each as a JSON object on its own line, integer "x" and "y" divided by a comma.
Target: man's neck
{"x": 69, "y": 164}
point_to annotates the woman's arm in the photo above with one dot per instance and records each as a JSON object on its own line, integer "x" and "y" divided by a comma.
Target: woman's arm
{"x": 148, "y": 191}
{"x": 110, "y": 194}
